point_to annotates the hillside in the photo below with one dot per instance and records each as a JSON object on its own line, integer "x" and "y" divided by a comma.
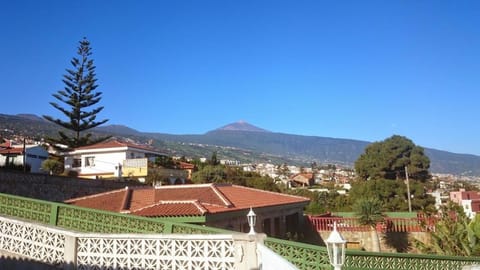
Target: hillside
{"x": 247, "y": 143}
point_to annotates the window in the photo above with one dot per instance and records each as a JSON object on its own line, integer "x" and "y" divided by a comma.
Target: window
{"x": 76, "y": 163}
{"x": 89, "y": 161}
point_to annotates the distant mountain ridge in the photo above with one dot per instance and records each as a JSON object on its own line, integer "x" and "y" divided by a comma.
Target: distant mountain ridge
{"x": 241, "y": 126}
{"x": 255, "y": 144}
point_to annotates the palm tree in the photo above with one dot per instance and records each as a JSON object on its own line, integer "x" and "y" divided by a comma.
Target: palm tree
{"x": 369, "y": 212}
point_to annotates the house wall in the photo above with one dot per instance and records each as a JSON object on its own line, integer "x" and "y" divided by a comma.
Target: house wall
{"x": 108, "y": 164}
{"x": 273, "y": 222}
{"x": 467, "y": 208}
{"x": 35, "y": 156}
{"x": 104, "y": 163}
{"x": 55, "y": 188}
{"x": 137, "y": 167}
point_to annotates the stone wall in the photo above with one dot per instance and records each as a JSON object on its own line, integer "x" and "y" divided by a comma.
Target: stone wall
{"x": 55, "y": 188}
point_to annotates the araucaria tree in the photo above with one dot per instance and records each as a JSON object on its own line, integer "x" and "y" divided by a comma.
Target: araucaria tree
{"x": 78, "y": 96}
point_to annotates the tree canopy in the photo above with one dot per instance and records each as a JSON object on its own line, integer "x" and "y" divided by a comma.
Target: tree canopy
{"x": 381, "y": 174}
{"x": 78, "y": 97}
{"x": 387, "y": 160}
{"x": 233, "y": 175}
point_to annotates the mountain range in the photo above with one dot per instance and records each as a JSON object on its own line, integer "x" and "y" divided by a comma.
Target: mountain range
{"x": 248, "y": 143}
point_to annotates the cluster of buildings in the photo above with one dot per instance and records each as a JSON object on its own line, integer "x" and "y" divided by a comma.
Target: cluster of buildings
{"x": 294, "y": 176}
{"x": 19, "y": 154}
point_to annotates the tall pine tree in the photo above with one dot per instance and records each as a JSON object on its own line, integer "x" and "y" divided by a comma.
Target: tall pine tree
{"x": 78, "y": 97}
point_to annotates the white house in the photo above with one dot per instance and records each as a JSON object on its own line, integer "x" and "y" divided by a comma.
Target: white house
{"x": 34, "y": 156}
{"x": 110, "y": 159}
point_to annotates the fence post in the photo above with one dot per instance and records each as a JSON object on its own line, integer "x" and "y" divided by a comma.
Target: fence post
{"x": 53, "y": 214}
{"x": 246, "y": 256}
{"x": 70, "y": 259}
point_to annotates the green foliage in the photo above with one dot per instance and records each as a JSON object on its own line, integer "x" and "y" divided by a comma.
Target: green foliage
{"x": 233, "y": 175}
{"x": 387, "y": 160}
{"x": 322, "y": 202}
{"x": 283, "y": 170}
{"x": 369, "y": 211}
{"x": 156, "y": 176}
{"x": 381, "y": 174}
{"x": 52, "y": 166}
{"x": 392, "y": 194}
{"x": 454, "y": 235}
{"x": 210, "y": 174}
{"x": 165, "y": 161}
{"x": 78, "y": 95}
{"x": 213, "y": 160}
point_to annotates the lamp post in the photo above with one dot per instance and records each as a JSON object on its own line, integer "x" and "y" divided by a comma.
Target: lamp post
{"x": 336, "y": 248}
{"x": 252, "y": 218}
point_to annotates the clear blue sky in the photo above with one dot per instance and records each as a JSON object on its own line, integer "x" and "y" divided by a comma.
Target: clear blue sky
{"x": 346, "y": 69}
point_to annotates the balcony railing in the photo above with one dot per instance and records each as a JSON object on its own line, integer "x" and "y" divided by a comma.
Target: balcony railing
{"x": 303, "y": 256}
{"x": 389, "y": 224}
{"x": 72, "y": 250}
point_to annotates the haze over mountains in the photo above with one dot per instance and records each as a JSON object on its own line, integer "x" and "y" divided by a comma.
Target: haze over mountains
{"x": 249, "y": 143}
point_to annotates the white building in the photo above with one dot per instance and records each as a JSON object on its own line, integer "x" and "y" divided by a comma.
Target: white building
{"x": 111, "y": 159}
{"x": 13, "y": 155}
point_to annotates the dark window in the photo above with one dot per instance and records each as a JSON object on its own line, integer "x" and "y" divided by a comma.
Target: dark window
{"x": 77, "y": 163}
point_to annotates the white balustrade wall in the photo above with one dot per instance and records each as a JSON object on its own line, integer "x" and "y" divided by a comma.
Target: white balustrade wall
{"x": 73, "y": 250}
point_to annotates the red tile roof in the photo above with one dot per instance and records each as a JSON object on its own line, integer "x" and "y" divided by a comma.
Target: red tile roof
{"x": 185, "y": 200}
{"x": 185, "y": 165}
{"x": 17, "y": 151}
{"x": 172, "y": 208}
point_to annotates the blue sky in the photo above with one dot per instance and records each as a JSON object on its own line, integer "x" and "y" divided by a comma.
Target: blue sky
{"x": 346, "y": 69}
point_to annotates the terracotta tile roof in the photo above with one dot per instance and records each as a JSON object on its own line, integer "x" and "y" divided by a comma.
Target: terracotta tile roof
{"x": 17, "y": 151}
{"x": 185, "y": 200}
{"x": 244, "y": 197}
{"x": 305, "y": 175}
{"x": 171, "y": 208}
{"x": 109, "y": 201}
{"x": 185, "y": 165}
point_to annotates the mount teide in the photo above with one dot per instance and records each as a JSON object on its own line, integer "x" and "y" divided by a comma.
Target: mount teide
{"x": 243, "y": 135}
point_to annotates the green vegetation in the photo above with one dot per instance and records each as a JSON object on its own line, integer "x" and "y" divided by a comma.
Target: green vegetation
{"x": 79, "y": 95}
{"x": 369, "y": 212}
{"x": 53, "y": 166}
{"x": 233, "y": 175}
{"x": 455, "y": 234}
{"x": 381, "y": 175}
{"x": 387, "y": 160}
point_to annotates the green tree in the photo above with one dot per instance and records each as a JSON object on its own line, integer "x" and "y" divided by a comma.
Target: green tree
{"x": 213, "y": 159}
{"x": 52, "y": 166}
{"x": 387, "y": 160}
{"x": 283, "y": 170}
{"x": 381, "y": 174}
{"x": 233, "y": 175}
{"x": 165, "y": 161}
{"x": 369, "y": 212}
{"x": 78, "y": 95}
{"x": 210, "y": 174}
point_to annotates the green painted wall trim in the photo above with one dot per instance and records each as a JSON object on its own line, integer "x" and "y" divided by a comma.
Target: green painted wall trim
{"x": 186, "y": 219}
{"x": 53, "y": 214}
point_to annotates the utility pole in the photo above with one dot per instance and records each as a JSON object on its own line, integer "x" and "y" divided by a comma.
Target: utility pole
{"x": 408, "y": 190}
{"x": 24, "y": 156}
